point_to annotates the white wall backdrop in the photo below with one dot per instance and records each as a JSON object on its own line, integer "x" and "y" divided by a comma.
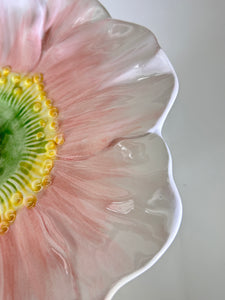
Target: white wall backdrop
{"x": 192, "y": 33}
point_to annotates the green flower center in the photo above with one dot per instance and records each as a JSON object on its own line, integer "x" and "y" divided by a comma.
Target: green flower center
{"x": 28, "y": 142}
{"x": 11, "y": 134}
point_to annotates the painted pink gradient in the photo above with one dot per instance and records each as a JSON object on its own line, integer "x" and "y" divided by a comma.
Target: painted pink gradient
{"x": 112, "y": 205}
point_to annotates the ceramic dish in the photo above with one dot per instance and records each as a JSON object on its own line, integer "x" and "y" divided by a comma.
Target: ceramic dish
{"x": 88, "y": 200}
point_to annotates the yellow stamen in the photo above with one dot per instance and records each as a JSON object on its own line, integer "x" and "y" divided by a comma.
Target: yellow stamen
{"x": 37, "y": 107}
{"x": 53, "y": 112}
{"x": 42, "y": 123}
{"x": 47, "y": 167}
{"x": 51, "y": 153}
{"x": 30, "y": 201}
{"x": 54, "y": 125}
{"x": 36, "y": 185}
{"x": 40, "y": 135}
{"x": 50, "y": 145}
{"x": 10, "y": 215}
{"x": 6, "y": 70}
{"x": 17, "y": 199}
{"x": 3, "y": 80}
{"x": 42, "y": 96}
{"x": 16, "y": 79}
{"x": 59, "y": 139}
{"x": 48, "y": 103}
{"x": 37, "y": 78}
{"x": 4, "y": 227}
{"x": 28, "y": 81}
{"x": 17, "y": 91}
{"x": 46, "y": 180}
{"x": 40, "y": 86}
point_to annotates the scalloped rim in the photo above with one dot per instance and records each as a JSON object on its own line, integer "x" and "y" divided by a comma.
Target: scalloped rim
{"x": 157, "y": 129}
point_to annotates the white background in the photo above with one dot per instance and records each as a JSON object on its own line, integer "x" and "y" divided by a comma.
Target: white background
{"x": 192, "y": 33}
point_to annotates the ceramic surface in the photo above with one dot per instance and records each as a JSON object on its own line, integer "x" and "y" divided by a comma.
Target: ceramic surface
{"x": 112, "y": 208}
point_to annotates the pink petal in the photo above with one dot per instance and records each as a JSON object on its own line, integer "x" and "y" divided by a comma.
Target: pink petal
{"x": 21, "y": 32}
{"x": 65, "y": 15}
{"x": 116, "y": 211}
{"x": 25, "y": 24}
{"x": 35, "y": 261}
{"x": 110, "y": 79}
